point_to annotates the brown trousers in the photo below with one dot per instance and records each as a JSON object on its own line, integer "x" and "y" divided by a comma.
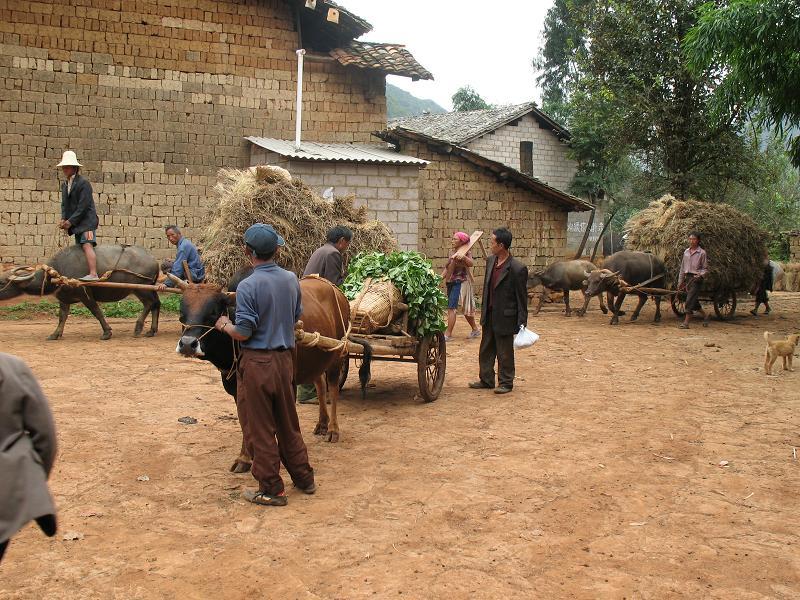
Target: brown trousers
{"x": 265, "y": 401}
{"x": 496, "y": 347}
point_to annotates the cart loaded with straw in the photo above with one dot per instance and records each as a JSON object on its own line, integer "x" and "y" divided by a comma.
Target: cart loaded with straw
{"x": 735, "y": 247}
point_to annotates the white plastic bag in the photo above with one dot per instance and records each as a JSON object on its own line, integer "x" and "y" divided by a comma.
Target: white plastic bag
{"x": 525, "y": 338}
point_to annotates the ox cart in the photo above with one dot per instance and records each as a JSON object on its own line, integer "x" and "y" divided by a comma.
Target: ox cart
{"x": 428, "y": 353}
{"x": 723, "y": 301}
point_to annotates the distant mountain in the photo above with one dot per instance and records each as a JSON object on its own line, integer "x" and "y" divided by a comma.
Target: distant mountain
{"x": 399, "y": 103}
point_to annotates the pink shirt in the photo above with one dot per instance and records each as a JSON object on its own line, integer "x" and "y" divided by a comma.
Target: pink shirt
{"x": 694, "y": 261}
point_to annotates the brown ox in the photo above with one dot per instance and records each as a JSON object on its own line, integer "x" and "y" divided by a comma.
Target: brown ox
{"x": 325, "y": 311}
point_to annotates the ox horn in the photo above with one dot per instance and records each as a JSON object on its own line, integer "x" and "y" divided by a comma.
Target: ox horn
{"x": 178, "y": 281}
{"x": 586, "y": 274}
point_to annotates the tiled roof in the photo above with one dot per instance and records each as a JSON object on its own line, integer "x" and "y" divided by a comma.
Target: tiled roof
{"x": 501, "y": 171}
{"x": 358, "y": 22}
{"x": 463, "y": 127}
{"x": 366, "y": 153}
{"x": 389, "y": 58}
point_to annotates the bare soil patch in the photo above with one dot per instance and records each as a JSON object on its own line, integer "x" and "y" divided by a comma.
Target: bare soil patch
{"x": 599, "y": 476}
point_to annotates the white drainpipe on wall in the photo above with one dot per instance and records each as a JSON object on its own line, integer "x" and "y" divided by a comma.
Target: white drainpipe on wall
{"x": 299, "y": 111}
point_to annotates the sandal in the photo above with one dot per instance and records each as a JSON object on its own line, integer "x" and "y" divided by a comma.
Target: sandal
{"x": 683, "y": 326}
{"x": 264, "y": 499}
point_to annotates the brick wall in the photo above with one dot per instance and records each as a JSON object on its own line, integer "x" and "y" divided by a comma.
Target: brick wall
{"x": 390, "y": 192}
{"x": 794, "y": 247}
{"x": 456, "y": 195}
{"x": 550, "y": 161}
{"x": 154, "y": 97}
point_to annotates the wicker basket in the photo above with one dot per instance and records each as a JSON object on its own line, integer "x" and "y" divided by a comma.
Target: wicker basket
{"x": 375, "y": 306}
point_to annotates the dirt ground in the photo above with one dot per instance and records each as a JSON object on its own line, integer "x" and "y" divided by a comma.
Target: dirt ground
{"x": 599, "y": 477}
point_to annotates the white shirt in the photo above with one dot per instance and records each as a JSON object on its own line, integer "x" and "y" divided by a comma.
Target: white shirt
{"x": 69, "y": 183}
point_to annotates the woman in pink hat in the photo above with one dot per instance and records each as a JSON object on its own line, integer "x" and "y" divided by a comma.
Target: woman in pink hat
{"x": 458, "y": 277}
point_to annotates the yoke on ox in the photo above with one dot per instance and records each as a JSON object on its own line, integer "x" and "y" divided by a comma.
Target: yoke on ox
{"x": 123, "y": 264}
{"x": 326, "y": 312}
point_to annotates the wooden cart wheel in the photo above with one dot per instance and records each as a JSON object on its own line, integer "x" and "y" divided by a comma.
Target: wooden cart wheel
{"x": 725, "y": 305}
{"x": 343, "y": 373}
{"x": 678, "y": 304}
{"x": 431, "y": 363}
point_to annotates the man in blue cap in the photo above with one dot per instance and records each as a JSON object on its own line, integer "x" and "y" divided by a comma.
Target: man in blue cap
{"x": 267, "y": 307}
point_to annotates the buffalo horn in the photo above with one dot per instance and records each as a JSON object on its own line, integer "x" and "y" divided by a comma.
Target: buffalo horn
{"x": 178, "y": 281}
{"x": 18, "y": 278}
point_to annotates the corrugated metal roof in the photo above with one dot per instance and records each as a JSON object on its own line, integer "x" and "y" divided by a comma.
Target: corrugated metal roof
{"x": 366, "y": 153}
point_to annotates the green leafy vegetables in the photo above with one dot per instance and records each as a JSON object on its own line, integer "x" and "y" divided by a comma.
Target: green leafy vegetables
{"x": 413, "y": 275}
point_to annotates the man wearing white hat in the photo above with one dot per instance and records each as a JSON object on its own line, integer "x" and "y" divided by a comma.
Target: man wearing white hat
{"x": 78, "y": 213}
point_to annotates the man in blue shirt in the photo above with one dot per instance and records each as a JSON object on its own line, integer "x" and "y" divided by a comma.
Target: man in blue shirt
{"x": 267, "y": 308}
{"x": 187, "y": 251}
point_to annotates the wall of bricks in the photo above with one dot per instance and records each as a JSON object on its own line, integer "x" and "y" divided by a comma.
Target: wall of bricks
{"x": 794, "y": 247}
{"x": 456, "y": 195}
{"x": 390, "y": 192}
{"x": 154, "y": 97}
{"x": 550, "y": 161}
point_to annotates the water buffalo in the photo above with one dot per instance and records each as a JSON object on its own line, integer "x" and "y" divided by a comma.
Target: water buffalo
{"x": 634, "y": 268}
{"x": 203, "y": 304}
{"x": 132, "y": 264}
{"x": 564, "y": 276}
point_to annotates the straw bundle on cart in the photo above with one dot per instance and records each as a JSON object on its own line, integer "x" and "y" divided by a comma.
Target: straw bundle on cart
{"x": 736, "y": 246}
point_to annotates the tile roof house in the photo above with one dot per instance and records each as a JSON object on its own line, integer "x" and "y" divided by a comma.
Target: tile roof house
{"x": 520, "y": 136}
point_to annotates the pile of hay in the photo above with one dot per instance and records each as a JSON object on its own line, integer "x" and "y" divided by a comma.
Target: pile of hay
{"x": 791, "y": 277}
{"x": 735, "y": 244}
{"x": 301, "y": 216}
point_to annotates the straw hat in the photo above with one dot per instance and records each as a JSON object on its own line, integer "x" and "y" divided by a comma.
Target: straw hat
{"x": 69, "y": 160}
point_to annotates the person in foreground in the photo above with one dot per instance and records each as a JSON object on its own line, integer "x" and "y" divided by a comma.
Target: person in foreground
{"x": 694, "y": 266}
{"x": 78, "y": 212}
{"x": 458, "y": 278}
{"x": 267, "y": 308}
{"x": 504, "y": 310}
{"x": 27, "y": 452}
{"x": 185, "y": 251}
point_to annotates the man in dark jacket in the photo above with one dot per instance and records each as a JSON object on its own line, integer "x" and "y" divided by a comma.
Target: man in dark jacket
{"x": 27, "y": 452}
{"x": 327, "y": 261}
{"x": 503, "y": 311}
{"x": 78, "y": 213}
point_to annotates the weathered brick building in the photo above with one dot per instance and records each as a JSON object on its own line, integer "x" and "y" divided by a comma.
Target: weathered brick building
{"x": 460, "y": 189}
{"x": 155, "y": 96}
{"x": 520, "y": 136}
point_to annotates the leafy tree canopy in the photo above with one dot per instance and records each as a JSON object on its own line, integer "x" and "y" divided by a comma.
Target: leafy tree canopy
{"x": 468, "y": 99}
{"x": 757, "y": 43}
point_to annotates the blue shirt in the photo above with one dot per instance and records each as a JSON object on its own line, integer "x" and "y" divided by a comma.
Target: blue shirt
{"x": 267, "y": 307}
{"x": 187, "y": 252}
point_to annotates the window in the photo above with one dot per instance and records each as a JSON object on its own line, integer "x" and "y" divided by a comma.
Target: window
{"x": 526, "y": 158}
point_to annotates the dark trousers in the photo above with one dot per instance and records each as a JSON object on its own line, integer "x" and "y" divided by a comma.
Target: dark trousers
{"x": 501, "y": 348}
{"x": 265, "y": 402}
{"x": 3, "y": 546}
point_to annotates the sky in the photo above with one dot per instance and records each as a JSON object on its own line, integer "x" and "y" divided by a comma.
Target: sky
{"x": 487, "y": 45}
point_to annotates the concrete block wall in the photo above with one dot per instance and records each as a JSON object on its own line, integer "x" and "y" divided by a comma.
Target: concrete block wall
{"x": 456, "y": 195}
{"x": 390, "y": 192}
{"x": 154, "y": 97}
{"x": 550, "y": 161}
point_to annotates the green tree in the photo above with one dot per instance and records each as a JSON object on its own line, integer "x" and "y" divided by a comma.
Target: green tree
{"x": 468, "y": 99}
{"x": 757, "y": 44}
{"x": 622, "y": 61}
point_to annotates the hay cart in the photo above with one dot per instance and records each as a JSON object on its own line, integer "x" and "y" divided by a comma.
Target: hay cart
{"x": 723, "y": 300}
